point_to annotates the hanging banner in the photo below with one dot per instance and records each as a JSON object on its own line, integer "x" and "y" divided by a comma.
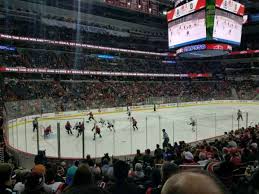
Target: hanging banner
{"x": 231, "y": 6}
{"x": 185, "y": 9}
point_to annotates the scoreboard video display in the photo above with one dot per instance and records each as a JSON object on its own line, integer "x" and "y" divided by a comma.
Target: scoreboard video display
{"x": 227, "y": 27}
{"x": 205, "y": 20}
{"x": 187, "y": 30}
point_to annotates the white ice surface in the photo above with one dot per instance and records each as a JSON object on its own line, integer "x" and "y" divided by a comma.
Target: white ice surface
{"x": 125, "y": 141}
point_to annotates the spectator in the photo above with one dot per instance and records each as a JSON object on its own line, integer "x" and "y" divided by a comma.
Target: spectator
{"x": 232, "y": 143}
{"x": 168, "y": 154}
{"x": 192, "y": 182}
{"x": 138, "y": 173}
{"x": 59, "y": 177}
{"x": 50, "y": 180}
{"x": 225, "y": 171}
{"x": 110, "y": 169}
{"x": 91, "y": 189}
{"x": 63, "y": 164}
{"x": 70, "y": 174}
{"x": 155, "y": 186}
{"x": 40, "y": 158}
{"x": 5, "y": 178}
{"x": 202, "y": 159}
{"x": 39, "y": 169}
{"x": 88, "y": 160}
{"x": 121, "y": 184}
{"x": 254, "y": 187}
{"x": 105, "y": 166}
{"x": 35, "y": 183}
{"x": 235, "y": 158}
{"x": 77, "y": 163}
{"x": 188, "y": 158}
{"x": 168, "y": 169}
{"x": 20, "y": 183}
{"x": 107, "y": 157}
{"x": 158, "y": 152}
{"x": 148, "y": 159}
{"x": 138, "y": 158}
{"x": 82, "y": 179}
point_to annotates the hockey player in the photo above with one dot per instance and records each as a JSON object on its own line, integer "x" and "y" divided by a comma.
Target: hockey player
{"x": 91, "y": 116}
{"x": 154, "y": 107}
{"x": 76, "y": 127}
{"x": 81, "y": 128}
{"x": 102, "y": 122}
{"x": 192, "y": 124}
{"x": 96, "y": 130}
{"x": 68, "y": 128}
{"x": 134, "y": 124}
{"x": 129, "y": 112}
{"x": 166, "y": 139}
{"x": 110, "y": 126}
{"x": 47, "y": 131}
{"x": 35, "y": 124}
{"x": 239, "y": 115}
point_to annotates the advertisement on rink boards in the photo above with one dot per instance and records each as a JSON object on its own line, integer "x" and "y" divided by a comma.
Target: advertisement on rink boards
{"x": 29, "y": 118}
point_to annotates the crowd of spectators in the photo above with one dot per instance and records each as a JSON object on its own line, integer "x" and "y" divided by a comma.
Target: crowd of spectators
{"x": 247, "y": 90}
{"x": 37, "y": 58}
{"x": 25, "y": 97}
{"x": 114, "y": 93}
{"x": 228, "y": 164}
{"x": 61, "y": 57}
{"x": 38, "y": 29}
{"x": 127, "y": 92}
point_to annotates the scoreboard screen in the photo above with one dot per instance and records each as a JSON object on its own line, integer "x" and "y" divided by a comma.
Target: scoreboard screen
{"x": 187, "y": 30}
{"x": 227, "y": 27}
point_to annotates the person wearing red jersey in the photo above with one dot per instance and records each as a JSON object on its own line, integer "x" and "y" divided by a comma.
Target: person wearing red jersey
{"x": 96, "y": 130}
{"x": 68, "y": 128}
{"x": 134, "y": 124}
{"x": 47, "y": 131}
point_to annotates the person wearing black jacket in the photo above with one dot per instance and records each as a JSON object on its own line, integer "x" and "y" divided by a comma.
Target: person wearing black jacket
{"x": 5, "y": 178}
{"x": 35, "y": 124}
{"x": 121, "y": 184}
{"x": 148, "y": 160}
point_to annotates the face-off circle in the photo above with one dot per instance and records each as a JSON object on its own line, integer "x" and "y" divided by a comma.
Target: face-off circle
{"x": 204, "y": 50}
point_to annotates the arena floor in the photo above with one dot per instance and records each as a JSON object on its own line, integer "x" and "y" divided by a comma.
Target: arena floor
{"x": 212, "y": 120}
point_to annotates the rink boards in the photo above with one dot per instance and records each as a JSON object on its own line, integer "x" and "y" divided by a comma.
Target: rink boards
{"x": 74, "y": 114}
{"x": 124, "y": 142}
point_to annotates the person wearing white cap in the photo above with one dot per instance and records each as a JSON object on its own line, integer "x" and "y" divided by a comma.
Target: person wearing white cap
{"x": 188, "y": 157}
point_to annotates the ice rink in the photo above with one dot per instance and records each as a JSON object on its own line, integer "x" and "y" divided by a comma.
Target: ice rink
{"x": 212, "y": 120}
